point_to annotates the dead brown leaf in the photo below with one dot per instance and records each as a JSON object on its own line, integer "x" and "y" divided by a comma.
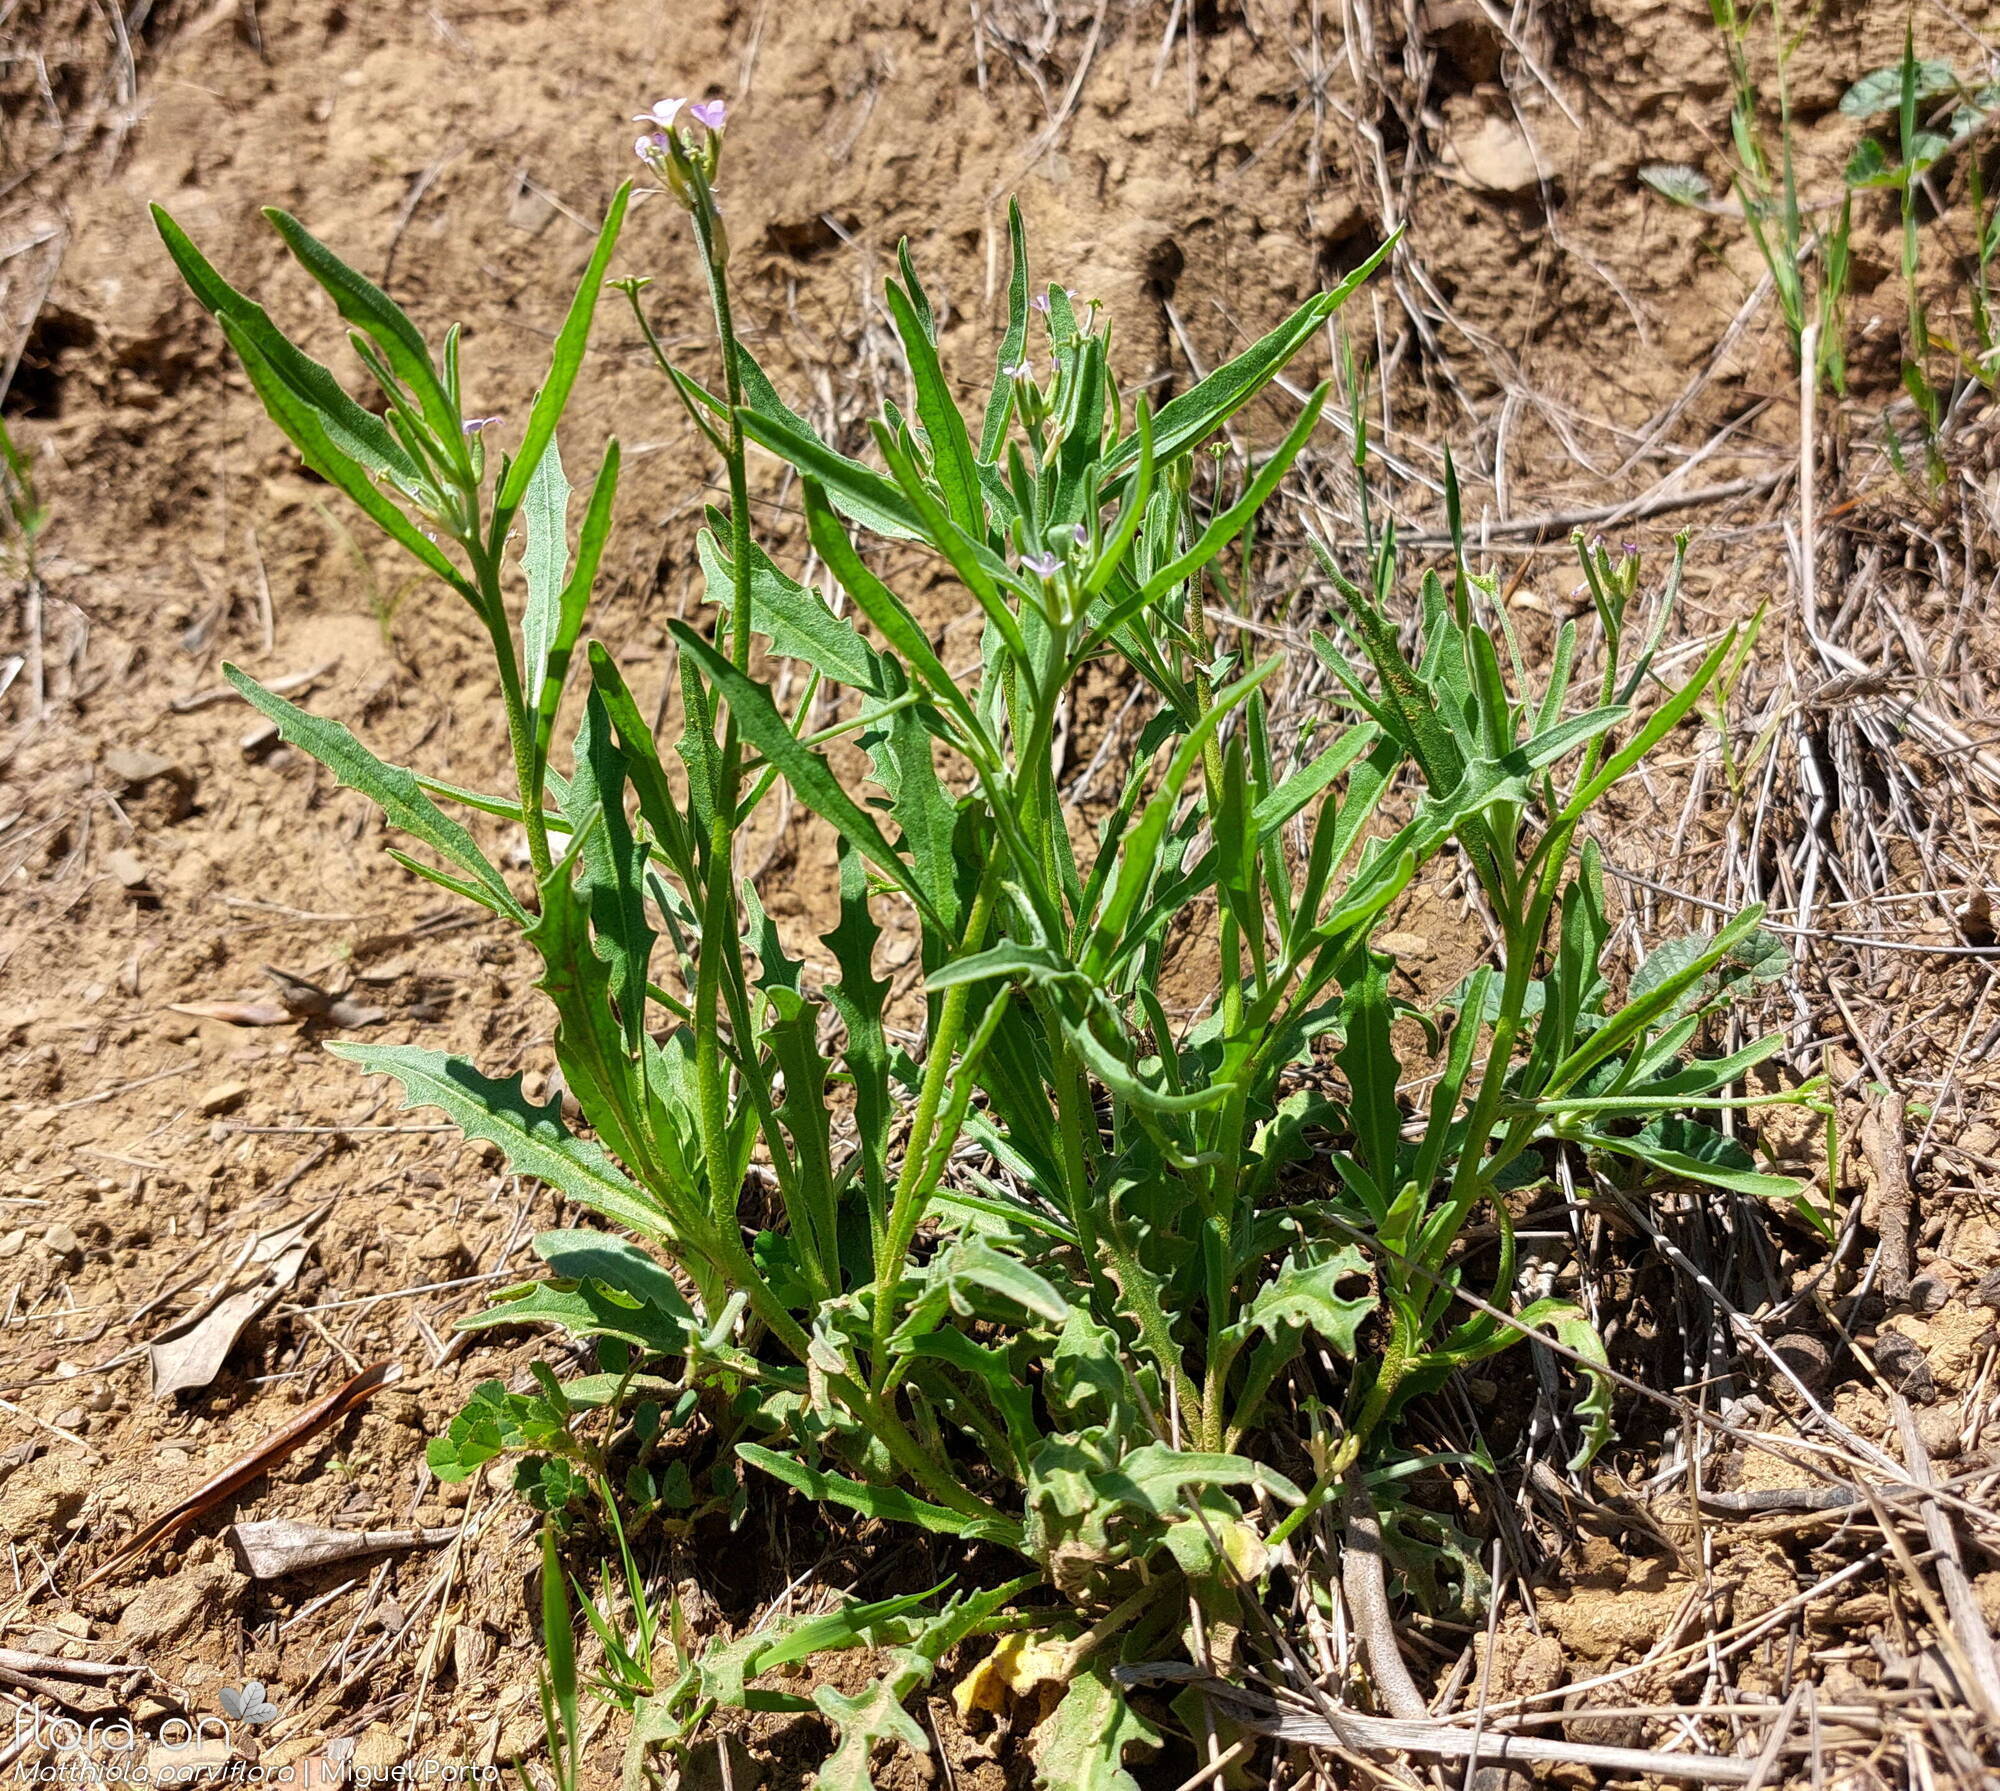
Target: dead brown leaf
{"x": 276, "y": 1546}
{"x": 191, "y": 1351}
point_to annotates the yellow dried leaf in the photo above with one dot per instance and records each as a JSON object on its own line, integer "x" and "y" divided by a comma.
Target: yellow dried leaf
{"x": 1016, "y": 1667}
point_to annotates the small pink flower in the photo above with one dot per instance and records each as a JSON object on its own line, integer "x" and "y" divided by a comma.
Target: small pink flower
{"x": 709, "y": 113}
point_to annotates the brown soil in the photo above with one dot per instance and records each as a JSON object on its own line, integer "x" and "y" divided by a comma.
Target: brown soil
{"x": 155, "y": 851}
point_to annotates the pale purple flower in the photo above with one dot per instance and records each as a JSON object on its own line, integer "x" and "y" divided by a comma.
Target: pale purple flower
{"x": 662, "y": 116}
{"x": 709, "y": 113}
{"x": 478, "y": 425}
{"x": 1042, "y": 565}
{"x": 1021, "y": 369}
{"x": 654, "y": 143}
{"x": 1083, "y": 534}
{"x": 1042, "y": 303}
{"x": 1631, "y": 549}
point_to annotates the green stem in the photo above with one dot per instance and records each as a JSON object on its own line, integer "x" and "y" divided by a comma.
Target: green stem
{"x": 1219, "y": 1210}
{"x": 882, "y": 1419}
{"x": 906, "y": 1204}
{"x": 520, "y": 724}
{"x": 718, "y": 908}
{"x": 1469, "y": 1178}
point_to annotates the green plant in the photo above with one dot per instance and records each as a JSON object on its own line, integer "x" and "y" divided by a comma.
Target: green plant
{"x": 1915, "y": 95}
{"x": 20, "y": 509}
{"x": 1808, "y": 268}
{"x": 1937, "y": 111}
{"x": 1045, "y": 1286}
{"x": 23, "y": 517}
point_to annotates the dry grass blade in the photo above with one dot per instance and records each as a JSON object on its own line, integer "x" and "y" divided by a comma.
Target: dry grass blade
{"x": 1446, "y": 1741}
{"x": 265, "y": 1456}
{"x": 1888, "y": 1160}
{"x": 1969, "y": 1635}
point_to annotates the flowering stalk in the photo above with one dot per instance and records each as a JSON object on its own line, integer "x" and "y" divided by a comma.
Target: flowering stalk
{"x": 687, "y": 161}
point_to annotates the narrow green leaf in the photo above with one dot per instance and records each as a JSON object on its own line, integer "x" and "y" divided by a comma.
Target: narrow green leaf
{"x": 1695, "y": 1152}
{"x": 1000, "y": 405}
{"x": 1655, "y": 1003}
{"x": 532, "y": 1139}
{"x": 858, "y": 492}
{"x": 1657, "y": 726}
{"x": 880, "y": 604}
{"x": 657, "y": 806}
{"x": 545, "y": 566}
{"x": 1199, "y": 412}
{"x": 308, "y": 429}
{"x": 951, "y": 445}
{"x": 614, "y": 864}
{"x": 547, "y": 677}
{"x": 359, "y": 434}
{"x": 1139, "y": 855}
{"x": 1368, "y": 1060}
{"x": 369, "y": 308}
{"x": 565, "y": 360}
{"x": 1220, "y": 532}
{"x": 877, "y": 1501}
{"x": 806, "y": 771}
{"x": 397, "y": 792}
{"x": 861, "y": 998}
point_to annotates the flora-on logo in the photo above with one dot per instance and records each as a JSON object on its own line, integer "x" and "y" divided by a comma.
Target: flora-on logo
{"x": 250, "y": 1705}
